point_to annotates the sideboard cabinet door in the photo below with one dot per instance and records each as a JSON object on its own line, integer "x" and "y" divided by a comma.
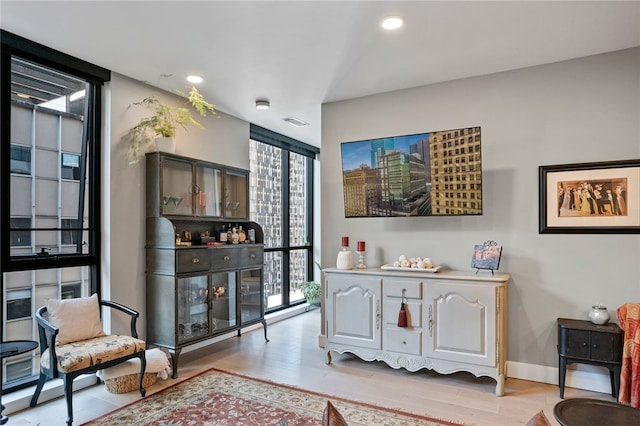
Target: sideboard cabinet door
{"x": 354, "y": 311}
{"x": 461, "y": 322}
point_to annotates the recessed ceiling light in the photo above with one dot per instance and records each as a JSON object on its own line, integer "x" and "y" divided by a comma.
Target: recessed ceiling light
{"x": 392, "y": 22}
{"x": 195, "y": 79}
{"x": 262, "y": 104}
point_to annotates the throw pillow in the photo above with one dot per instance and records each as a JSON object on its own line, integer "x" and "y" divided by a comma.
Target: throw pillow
{"x": 539, "y": 420}
{"x": 78, "y": 319}
{"x": 332, "y": 417}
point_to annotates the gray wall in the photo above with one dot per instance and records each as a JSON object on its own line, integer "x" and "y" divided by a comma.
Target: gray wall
{"x": 576, "y": 111}
{"x": 225, "y": 141}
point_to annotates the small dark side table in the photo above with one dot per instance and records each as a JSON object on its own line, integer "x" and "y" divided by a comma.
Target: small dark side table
{"x": 12, "y": 348}
{"x": 594, "y": 412}
{"x": 588, "y": 343}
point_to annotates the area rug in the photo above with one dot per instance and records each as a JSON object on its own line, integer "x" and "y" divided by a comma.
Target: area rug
{"x": 218, "y": 397}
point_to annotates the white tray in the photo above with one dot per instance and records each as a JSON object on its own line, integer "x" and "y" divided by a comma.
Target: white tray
{"x": 389, "y": 267}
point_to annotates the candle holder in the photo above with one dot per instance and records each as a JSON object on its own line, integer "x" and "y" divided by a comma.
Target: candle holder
{"x": 361, "y": 264}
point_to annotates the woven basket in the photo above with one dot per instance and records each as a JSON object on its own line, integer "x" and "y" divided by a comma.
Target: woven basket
{"x": 129, "y": 383}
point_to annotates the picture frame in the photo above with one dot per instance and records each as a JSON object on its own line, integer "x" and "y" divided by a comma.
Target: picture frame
{"x": 590, "y": 198}
{"x": 486, "y": 256}
{"x": 435, "y": 173}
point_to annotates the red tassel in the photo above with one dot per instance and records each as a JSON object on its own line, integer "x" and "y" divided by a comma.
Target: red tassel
{"x": 402, "y": 316}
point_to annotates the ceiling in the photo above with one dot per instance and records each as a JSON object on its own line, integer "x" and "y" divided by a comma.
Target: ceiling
{"x": 301, "y": 54}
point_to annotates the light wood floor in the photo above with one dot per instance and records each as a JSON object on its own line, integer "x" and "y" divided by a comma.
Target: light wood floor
{"x": 293, "y": 357}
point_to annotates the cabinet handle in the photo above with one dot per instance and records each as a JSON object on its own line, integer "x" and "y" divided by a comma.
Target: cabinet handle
{"x": 404, "y": 342}
{"x": 430, "y": 320}
{"x": 378, "y": 315}
{"x": 584, "y": 344}
{"x": 595, "y": 346}
{"x": 226, "y": 258}
{"x": 252, "y": 255}
{"x": 195, "y": 260}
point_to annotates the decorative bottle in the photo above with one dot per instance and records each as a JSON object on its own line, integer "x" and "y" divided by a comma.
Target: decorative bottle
{"x": 235, "y": 238}
{"x": 241, "y": 235}
{"x": 223, "y": 234}
{"x": 345, "y": 258}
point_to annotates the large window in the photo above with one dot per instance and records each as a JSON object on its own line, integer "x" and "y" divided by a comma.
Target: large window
{"x": 281, "y": 194}
{"x": 49, "y": 194}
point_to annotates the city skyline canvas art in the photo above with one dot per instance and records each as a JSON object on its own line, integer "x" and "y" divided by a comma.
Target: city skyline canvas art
{"x": 424, "y": 174}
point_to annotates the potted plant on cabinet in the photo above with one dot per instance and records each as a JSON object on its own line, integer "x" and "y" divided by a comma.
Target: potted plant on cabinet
{"x": 165, "y": 120}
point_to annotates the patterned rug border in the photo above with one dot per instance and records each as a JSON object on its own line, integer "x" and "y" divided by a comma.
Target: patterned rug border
{"x": 444, "y": 422}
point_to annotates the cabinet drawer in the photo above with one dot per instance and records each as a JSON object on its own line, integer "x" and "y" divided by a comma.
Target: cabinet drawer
{"x": 192, "y": 260}
{"x": 251, "y": 256}
{"x": 394, "y": 287}
{"x": 403, "y": 341}
{"x": 236, "y": 256}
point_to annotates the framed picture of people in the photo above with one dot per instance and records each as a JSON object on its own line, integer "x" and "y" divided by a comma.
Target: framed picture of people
{"x": 602, "y": 197}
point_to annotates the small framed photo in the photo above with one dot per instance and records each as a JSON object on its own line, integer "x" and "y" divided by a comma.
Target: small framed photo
{"x": 486, "y": 256}
{"x": 590, "y": 198}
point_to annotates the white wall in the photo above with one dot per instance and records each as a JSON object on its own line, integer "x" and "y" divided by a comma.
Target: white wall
{"x": 576, "y": 111}
{"x": 225, "y": 141}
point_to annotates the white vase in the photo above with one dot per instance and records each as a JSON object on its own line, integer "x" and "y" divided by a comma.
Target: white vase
{"x": 345, "y": 259}
{"x": 599, "y": 315}
{"x": 166, "y": 145}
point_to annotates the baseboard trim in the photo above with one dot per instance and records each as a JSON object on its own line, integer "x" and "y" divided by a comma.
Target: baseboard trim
{"x": 594, "y": 379}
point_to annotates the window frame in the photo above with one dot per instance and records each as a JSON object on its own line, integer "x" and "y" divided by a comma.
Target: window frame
{"x": 94, "y": 77}
{"x": 14, "y": 45}
{"x": 287, "y": 146}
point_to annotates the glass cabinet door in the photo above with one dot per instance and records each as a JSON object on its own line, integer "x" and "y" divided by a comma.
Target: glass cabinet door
{"x": 208, "y": 191}
{"x": 223, "y": 301}
{"x": 236, "y": 194}
{"x": 251, "y": 303}
{"x": 177, "y": 187}
{"x": 193, "y": 307}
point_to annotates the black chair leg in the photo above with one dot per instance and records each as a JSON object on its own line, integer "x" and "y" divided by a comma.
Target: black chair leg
{"x": 143, "y": 367}
{"x": 41, "y": 381}
{"x": 68, "y": 396}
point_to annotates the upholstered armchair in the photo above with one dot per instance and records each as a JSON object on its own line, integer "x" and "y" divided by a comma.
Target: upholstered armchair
{"x": 72, "y": 343}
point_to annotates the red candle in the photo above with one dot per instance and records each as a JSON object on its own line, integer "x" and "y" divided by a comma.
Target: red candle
{"x": 345, "y": 241}
{"x": 360, "y": 245}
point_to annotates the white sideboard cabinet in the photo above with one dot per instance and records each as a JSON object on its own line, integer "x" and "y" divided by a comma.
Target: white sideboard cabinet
{"x": 456, "y": 321}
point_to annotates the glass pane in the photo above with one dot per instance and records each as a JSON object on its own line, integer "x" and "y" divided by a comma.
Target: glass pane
{"x": 273, "y": 279}
{"x": 193, "y": 307}
{"x": 177, "y": 182}
{"x": 297, "y": 274}
{"x": 235, "y": 195}
{"x": 298, "y": 215}
{"x": 208, "y": 196}
{"x": 44, "y": 176}
{"x": 21, "y": 160}
{"x": 70, "y": 166}
{"x": 266, "y": 191}
{"x": 20, "y": 234}
{"x": 223, "y": 300}
{"x": 23, "y": 293}
{"x": 250, "y": 295}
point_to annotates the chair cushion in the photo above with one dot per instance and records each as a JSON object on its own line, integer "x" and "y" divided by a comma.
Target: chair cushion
{"x": 78, "y": 319}
{"x": 92, "y": 352}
